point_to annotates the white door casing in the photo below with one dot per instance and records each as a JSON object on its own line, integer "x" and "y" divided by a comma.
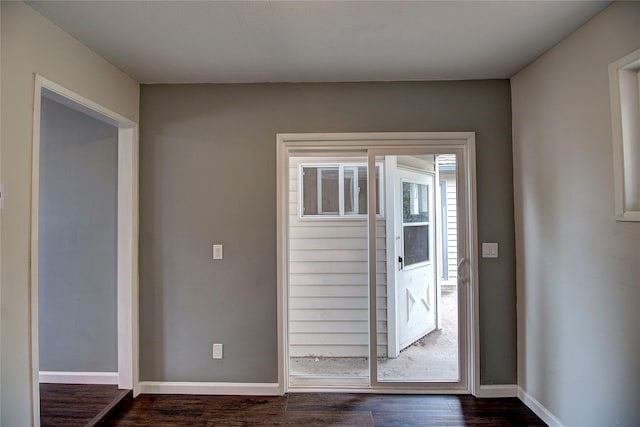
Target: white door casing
{"x": 127, "y": 234}
{"x": 462, "y": 144}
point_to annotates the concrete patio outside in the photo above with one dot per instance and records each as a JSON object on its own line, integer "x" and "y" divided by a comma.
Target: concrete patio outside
{"x": 433, "y": 358}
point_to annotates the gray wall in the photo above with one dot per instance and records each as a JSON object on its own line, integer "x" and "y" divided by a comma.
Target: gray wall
{"x": 578, "y": 269}
{"x": 77, "y": 246}
{"x": 207, "y": 174}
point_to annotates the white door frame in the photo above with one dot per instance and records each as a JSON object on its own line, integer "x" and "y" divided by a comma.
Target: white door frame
{"x": 127, "y": 233}
{"x": 463, "y": 144}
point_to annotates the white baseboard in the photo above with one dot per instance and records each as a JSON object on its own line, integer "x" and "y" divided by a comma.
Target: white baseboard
{"x": 60, "y": 377}
{"x": 501, "y": 390}
{"x": 537, "y": 407}
{"x": 255, "y": 389}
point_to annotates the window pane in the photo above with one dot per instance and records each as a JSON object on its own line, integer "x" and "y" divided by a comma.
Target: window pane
{"x": 320, "y": 190}
{"x": 416, "y": 244}
{"x": 362, "y": 190}
{"x": 329, "y": 204}
{"x": 363, "y": 199}
{"x": 349, "y": 190}
{"x": 309, "y": 191}
{"x": 378, "y": 200}
{"x": 415, "y": 202}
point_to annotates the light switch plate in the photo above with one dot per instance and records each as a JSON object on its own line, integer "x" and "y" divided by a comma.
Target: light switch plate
{"x": 217, "y": 251}
{"x": 217, "y": 351}
{"x": 489, "y": 250}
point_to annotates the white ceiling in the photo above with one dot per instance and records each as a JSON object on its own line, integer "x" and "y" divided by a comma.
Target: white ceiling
{"x": 312, "y": 41}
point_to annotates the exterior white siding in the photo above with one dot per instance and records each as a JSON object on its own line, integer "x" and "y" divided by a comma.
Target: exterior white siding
{"x": 328, "y": 282}
{"x": 449, "y": 177}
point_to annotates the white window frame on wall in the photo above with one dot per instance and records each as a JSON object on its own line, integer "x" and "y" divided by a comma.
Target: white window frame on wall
{"x": 624, "y": 86}
{"x": 341, "y": 214}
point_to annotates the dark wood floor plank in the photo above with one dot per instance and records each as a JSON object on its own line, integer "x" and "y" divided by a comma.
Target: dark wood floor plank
{"x": 365, "y": 402}
{"x": 334, "y": 418}
{"x": 71, "y": 405}
{"x": 395, "y": 419}
{"x": 298, "y": 418}
{"x": 323, "y": 409}
{"x": 248, "y": 404}
{"x": 122, "y": 399}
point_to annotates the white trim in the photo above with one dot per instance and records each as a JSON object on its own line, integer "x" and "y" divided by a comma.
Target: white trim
{"x": 625, "y": 130}
{"x": 473, "y": 347}
{"x": 127, "y": 238}
{"x": 127, "y": 257}
{"x": 462, "y": 142}
{"x": 388, "y": 390}
{"x": 360, "y": 139}
{"x": 539, "y": 409}
{"x": 213, "y": 388}
{"x": 58, "y": 377}
{"x": 391, "y": 166}
{"x": 373, "y": 285}
{"x": 84, "y": 105}
{"x": 282, "y": 265}
{"x": 33, "y": 271}
{"x": 500, "y": 390}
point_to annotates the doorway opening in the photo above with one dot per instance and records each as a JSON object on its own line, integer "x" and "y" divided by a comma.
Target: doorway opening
{"x": 83, "y": 251}
{"x": 372, "y": 295}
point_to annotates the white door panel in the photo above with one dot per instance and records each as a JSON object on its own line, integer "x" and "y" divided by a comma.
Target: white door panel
{"x": 415, "y": 279}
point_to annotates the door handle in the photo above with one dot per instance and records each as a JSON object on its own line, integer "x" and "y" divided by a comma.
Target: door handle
{"x": 401, "y": 261}
{"x": 462, "y": 271}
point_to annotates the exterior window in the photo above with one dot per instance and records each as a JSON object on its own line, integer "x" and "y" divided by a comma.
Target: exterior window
{"x": 336, "y": 190}
{"x": 415, "y": 222}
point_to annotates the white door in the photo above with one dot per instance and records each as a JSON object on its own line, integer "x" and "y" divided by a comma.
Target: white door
{"x": 416, "y": 276}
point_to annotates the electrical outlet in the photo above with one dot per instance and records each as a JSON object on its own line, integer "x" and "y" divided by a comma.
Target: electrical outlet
{"x": 217, "y": 351}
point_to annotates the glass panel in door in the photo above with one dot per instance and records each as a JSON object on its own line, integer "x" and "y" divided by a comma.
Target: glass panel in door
{"x": 328, "y": 289}
{"x": 418, "y": 332}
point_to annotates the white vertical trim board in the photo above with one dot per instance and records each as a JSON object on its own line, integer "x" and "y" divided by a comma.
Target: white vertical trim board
{"x": 212, "y": 388}
{"x": 537, "y": 407}
{"x": 282, "y": 265}
{"x": 56, "y": 377}
{"x": 473, "y": 275}
{"x": 33, "y": 268}
{"x": 127, "y": 257}
{"x": 127, "y": 240}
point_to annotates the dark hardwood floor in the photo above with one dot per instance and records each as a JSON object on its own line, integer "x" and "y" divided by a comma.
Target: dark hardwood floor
{"x": 70, "y": 405}
{"x": 322, "y": 409}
